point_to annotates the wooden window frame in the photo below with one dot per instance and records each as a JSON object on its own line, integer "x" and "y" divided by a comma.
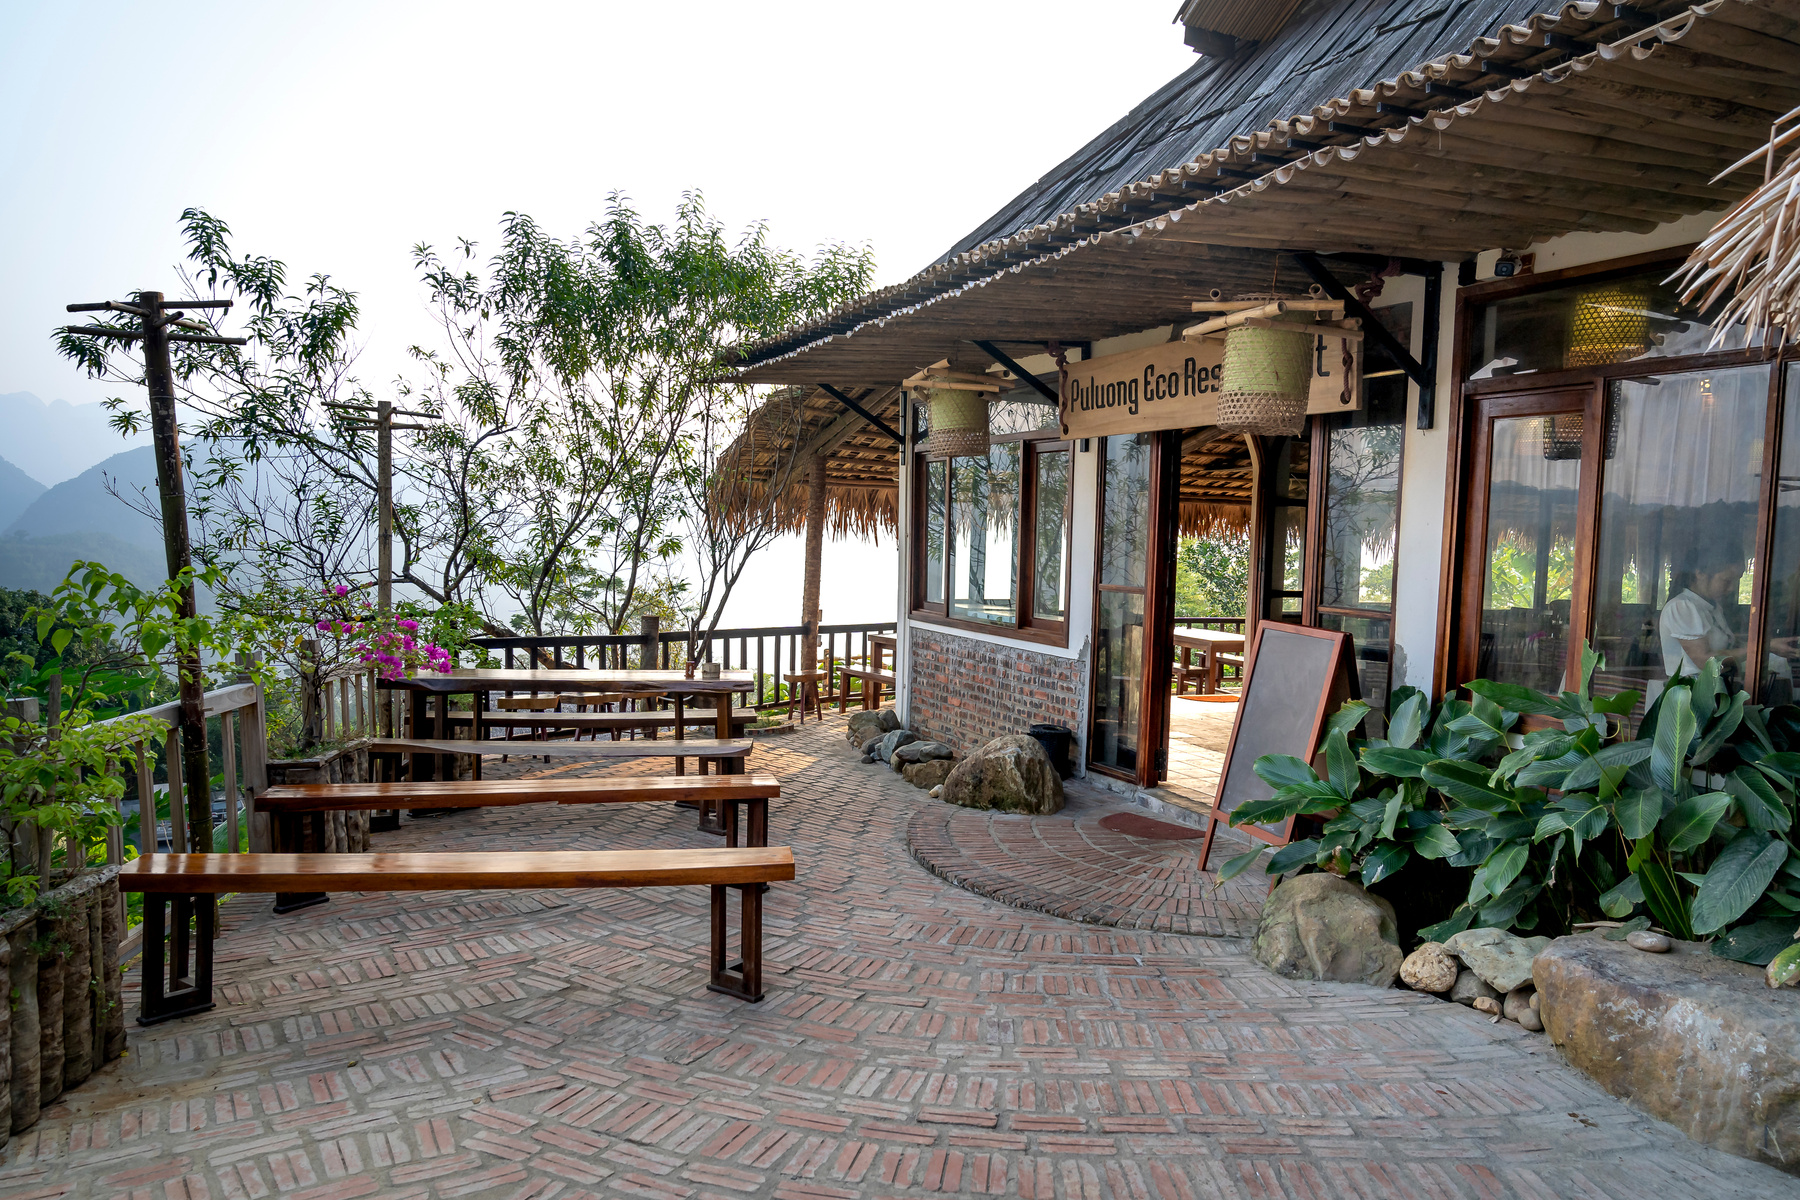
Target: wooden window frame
{"x": 1024, "y": 626}
{"x": 1464, "y": 464}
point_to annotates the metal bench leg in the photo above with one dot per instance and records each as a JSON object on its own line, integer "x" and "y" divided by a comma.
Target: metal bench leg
{"x": 171, "y": 988}
{"x": 742, "y": 979}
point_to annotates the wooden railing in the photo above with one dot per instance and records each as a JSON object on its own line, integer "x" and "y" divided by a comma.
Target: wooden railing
{"x": 1223, "y": 624}
{"x": 238, "y": 709}
{"x": 772, "y": 652}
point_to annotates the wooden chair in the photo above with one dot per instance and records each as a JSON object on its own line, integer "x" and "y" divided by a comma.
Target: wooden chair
{"x": 806, "y": 688}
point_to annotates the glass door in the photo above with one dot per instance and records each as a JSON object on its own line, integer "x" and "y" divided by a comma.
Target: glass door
{"x": 1115, "y": 741}
{"x": 1521, "y": 598}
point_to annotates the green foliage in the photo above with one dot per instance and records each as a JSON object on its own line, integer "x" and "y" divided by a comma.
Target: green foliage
{"x": 67, "y": 780}
{"x": 1212, "y": 575}
{"x": 1686, "y": 824}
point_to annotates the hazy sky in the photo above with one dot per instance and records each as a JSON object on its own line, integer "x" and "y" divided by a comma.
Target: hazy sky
{"x": 335, "y": 136}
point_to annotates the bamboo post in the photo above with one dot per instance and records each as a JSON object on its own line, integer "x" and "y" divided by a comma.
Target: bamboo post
{"x": 178, "y": 823}
{"x": 146, "y": 804}
{"x": 46, "y": 839}
{"x": 256, "y": 763}
{"x": 228, "y": 742}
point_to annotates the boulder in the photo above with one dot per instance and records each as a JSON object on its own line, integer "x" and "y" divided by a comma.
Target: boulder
{"x": 865, "y": 726}
{"x": 892, "y": 741}
{"x": 1322, "y": 927}
{"x": 1010, "y": 773}
{"x": 1469, "y": 988}
{"x": 917, "y": 752}
{"x": 1503, "y": 960}
{"x": 1699, "y": 1041}
{"x": 1429, "y": 969}
{"x": 928, "y": 774}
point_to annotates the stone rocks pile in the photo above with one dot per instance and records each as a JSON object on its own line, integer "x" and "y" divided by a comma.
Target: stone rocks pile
{"x": 881, "y": 738}
{"x": 1487, "y": 969}
{"x": 1011, "y": 773}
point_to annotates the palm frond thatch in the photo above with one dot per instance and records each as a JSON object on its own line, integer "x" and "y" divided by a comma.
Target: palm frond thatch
{"x": 1751, "y": 259}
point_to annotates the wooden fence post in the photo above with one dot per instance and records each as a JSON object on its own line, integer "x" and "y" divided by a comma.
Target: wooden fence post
{"x": 256, "y": 767}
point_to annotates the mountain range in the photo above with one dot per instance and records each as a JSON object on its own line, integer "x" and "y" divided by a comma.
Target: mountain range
{"x": 55, "y": 506}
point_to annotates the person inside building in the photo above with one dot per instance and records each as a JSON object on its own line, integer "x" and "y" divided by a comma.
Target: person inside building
{"x": 1696, "y": 623}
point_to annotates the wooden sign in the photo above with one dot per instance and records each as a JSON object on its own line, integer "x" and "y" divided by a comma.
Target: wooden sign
{"x": 1295, "y": 677}
{"x": 1176, "y": 386}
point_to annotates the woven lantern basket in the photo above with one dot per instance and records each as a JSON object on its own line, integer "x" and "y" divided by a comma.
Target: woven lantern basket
{"x": 1265, "y": 380}
{"x": 1610, "y": 325}
{"x": 959, "y": 422}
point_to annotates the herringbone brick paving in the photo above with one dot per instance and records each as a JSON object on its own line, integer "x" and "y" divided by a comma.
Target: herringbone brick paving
{"x": 917, "y": 1039}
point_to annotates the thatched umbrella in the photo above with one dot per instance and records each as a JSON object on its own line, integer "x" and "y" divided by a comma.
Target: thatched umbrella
{"x": 1752, "y": 255}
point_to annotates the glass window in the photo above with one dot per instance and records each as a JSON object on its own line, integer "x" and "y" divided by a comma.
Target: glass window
{"x": 984, "y": 515}
{"x": 1534, "y": 484}
{"x": 1679, "y": 492}
{"x": 1287, "y": 531}
{"x": 1784, "y": 562}
{"x": 935, "y": 475}
{"x": 1014, "y": 415}
{"x": 1593, "y": 322}
{"x": 1362, "y": 498}
{"x": 1126, "y": 544}
{"x": 1049, "y": 601}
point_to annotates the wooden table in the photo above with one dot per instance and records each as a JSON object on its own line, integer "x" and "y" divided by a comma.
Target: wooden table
{"x": 1211, "y": 643}
{"x": 481, "y": 683}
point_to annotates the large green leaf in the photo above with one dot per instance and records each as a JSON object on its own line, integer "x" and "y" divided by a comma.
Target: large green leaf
{"x": 1448, "y": 928}
{"x": 1475, "y": 847}
{"x": 1391, "y": 814}
{"x": 1467, "y": 783}
{"x": 1692, "y": 821}
{"x": 1502, "y": 910}
{"x": 1661, "y": 892}
{"x": 1554, "y": 773}
{"x": 1391, "y": 760}
{"x": 1580, "y": 814}
{"x": 1294, "y": 854}
{"x": 1725, "y": 722}
{"x": 1383, "y": 861}
{"x": 1756, "y": 796}
{"x": 1347, "y": 718}
{"x": 1407, "y": 721}
{"x": 1498, "y": 872}
{"x": 1674, "y": 731}
{"x": 1238, "y": 864}
{"x": 1434, "y": 841}
{"x": 1736, "y": 880}
{"x": 1340, "y": 763}
{"x": 1638, "y": 810}
{"x": 1782, "y": 762}
{"x": 1284, "y": 770}
{"x": 1619, "y": 902}
{"x": 1520, "y": 699}
{"x": 1757, "y": 942}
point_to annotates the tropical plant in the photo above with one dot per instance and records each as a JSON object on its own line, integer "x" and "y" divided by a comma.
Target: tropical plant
{"x": 1686, "y": 822}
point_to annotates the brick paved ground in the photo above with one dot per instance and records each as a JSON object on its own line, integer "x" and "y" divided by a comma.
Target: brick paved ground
{"x": 1068, "y": 866}
{"x": 917, "y": 1039}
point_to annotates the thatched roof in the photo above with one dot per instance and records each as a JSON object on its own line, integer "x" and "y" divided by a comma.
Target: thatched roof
{"x": 862, "y": 463}
{"x": 1215, "y": 484}
{"x": 1753, "y": 254}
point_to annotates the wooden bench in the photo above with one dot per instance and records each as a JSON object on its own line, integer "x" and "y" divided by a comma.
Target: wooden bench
{"x": 298, "y": 811}
{"x": 178, "y": 970}
{"x": 611, "y": 722}
{"x": 1215, "y": 662}
{"x": 872, "y": 683}
{"x": 729, "y": 755}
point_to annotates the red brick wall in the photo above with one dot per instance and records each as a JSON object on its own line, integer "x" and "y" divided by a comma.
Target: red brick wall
{"x": 966, "y": 693}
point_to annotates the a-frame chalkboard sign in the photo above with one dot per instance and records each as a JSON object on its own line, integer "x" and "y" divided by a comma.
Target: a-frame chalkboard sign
{"x": 1295, "y": 677}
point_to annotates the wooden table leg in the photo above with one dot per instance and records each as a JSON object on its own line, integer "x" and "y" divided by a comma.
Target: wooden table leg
{"x": 170, "y": 986}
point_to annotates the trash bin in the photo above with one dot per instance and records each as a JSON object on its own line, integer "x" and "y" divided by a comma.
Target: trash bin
{"x": 1056, "y": 740}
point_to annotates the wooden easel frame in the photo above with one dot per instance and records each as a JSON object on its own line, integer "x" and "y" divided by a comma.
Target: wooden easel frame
{"x": 1338, "y": 686}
